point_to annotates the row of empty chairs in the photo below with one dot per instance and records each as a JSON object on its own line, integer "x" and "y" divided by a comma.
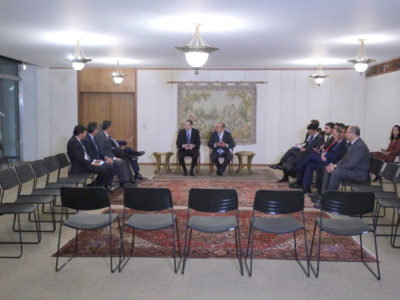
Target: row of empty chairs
{"x": 222, "y": 205}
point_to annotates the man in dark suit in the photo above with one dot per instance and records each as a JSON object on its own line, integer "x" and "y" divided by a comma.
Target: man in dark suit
{"x": 296, "y": 154}
{"x": 188, "y": 143}
{"x": 328, "y": 134}
{"x": 80, "y": 160}
{"x": 93, "y": 151}
{"x": 221, "y": 142}
{"x": 121, "y": 166}
{"x": 314, "y": 161}
{"x": 126, "y": 153}
{"x": 353, "y": 166}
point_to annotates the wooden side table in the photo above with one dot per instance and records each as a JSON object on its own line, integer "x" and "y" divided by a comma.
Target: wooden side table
{"x": 159, "y": 163}
{"x": 249, "y": 155}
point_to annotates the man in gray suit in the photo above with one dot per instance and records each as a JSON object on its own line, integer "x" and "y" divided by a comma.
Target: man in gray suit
{"x": 121, "y": 167}
{"x": 353, "y": 166}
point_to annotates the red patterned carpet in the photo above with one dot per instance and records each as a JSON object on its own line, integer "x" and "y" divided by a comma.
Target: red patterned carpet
{"x": 158, "y": 243}
{"x": 180, "y": 189}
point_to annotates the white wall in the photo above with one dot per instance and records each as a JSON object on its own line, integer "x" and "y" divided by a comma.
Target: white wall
{"x": 382, "y": 107}
{"x": 284, "y": 106}
{"x": 50, "y": 110}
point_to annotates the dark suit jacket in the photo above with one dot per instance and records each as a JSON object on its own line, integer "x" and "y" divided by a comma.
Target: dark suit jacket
{"x": 328, "y": 142}
{"x": 315, "y": 142}
{"x": 226, "y": 138}
{"x": 90, "y": 146}
{"x": 336, "y": 152}
{"x": 104, "y": 145}
{"x": 76, "y": 154}
{"x": 194, "y": 139}
{"x": 356, "y": 160}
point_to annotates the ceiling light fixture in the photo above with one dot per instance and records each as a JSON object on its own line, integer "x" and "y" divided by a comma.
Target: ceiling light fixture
{"x": 117, "y": 75}
{"x": 197, "y": 51}
{"x": 23, "y": 66}
{"x": 361, "y": 60}
{"x": 319, "y": 77}
{"x": 79, "y": 59}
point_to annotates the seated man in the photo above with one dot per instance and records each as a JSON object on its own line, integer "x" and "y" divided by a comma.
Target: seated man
{"x": 328, "y": 134}
{"x": 313, "y": 161}
{"x": 125, "y": 153}
{"x": 221, "y": 142}
{"x": 80, "y": 160}
{"x": 188, "y": 143}
{"x": 296, "y": 154}
{"x": 121, "y": 166}
{"x": 93, "y": 151}
{"x": 353, "y": 166}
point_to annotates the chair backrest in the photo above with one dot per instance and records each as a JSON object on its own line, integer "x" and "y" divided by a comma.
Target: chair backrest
{"x": 147, "y": 199}
{"x": 62, "y": 160}
{"x": 84, "y": 198}
{"x": 348, "y": 203}
{"x": 8, "y": 179}
{"x": 213, "y": 200}
{"x": 39, "y": 168}
{"x": 25, "y": 172}
{"x": 51, "y": 163}
{"x": 390, "y": 171}
{"x": 376, "y": 166}
{"x": 278, "y": 202}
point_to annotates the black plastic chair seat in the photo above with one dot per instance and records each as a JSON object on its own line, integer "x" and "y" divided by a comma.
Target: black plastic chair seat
{"x": 385, "y": 195}
{"x": 385, "y": 202}
{"x": 366, "y": 188}
{"x": 75, "y": 180}
{"x": 279, "y": 225}
{"x": 150, "y": 222}
{"x": 89, "y": 221}
{"x": 29, "y": 199}
{"x": 347, "y": 227}
{"x": 56, "y": 185}
{"x": 81, "y": 175}
{"x": 213, "y": 224}
{"x": 11, "y": 208}
{"x": 351, "y": 183}
{"x": 46, "y": 192}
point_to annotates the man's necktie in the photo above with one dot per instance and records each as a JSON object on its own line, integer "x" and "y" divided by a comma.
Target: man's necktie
{"x": 84, "y": 151}
{"x": 188, "y": 137}
{"x": 220, "y": 151}
{"x": 95, "y": 145}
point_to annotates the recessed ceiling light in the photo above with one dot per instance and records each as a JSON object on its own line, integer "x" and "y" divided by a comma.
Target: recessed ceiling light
{"x": 86, "y": 38}
{"x": 113, "y": 60}
{"x": 210, "y": 23}
{"x": 320, "y": 60}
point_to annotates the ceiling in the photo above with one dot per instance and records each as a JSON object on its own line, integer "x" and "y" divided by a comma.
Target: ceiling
{"x": 250, "y": 34}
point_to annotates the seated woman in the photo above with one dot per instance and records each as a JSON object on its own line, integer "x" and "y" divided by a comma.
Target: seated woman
{"x": 393, "y": 149}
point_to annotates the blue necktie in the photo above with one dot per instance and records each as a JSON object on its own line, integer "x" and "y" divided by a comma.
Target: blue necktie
{"x": 220, "y": 151}
{"x": 95, "y": 145}
{"x": 188, "y": 136}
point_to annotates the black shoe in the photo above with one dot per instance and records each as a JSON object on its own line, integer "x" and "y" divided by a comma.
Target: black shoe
{"x": 191, "y": 173}
{"x": 307, "y": 190}
{"x": 139, "y": 176}
{"x": 317, "y": 199}
{"x": 295, "y": 185}
{"x": 284, "y": 179}
{"x": 128, "y": 184}
{"x": 184, "y": 173}
{"x": 219, "y": 173}
{"x": 138, "y": 153}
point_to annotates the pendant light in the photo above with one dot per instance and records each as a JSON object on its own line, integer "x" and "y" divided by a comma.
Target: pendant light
{"x": 319, "y": 76}
{"x": 361, "y": 61}
{"x": 117, "y": 75}
{"x": 79, "y": 59}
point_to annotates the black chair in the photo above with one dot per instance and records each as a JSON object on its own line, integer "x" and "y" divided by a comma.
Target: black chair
{"x": 388, "y": 173}
{"x": 16, "y": 210}
{"x": 353, "y": 204}
{"x": 52, "y": 165}
{"x": 25, "y": 174}
{"x": 40, "y": 170}
{"x": 375, "y": 167}
{"x": 86, "y": 198}
{"x": 9, "y": 180}
{"x": 65, "y": 163}
{"x": 278, "y": 203}
{"x": 397, "y": 227}
{"x": 149, "y": 200}
{"x": 212, "y": 201}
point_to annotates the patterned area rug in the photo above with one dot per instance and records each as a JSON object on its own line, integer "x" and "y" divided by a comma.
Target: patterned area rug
{"x": 180, "y": 189}
{"x": 158, "y": 243}
{"x": 264, "y": 174}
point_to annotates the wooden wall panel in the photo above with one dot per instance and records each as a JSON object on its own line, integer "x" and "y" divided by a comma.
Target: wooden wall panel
{"x": 123, "y": 118}
{"x": 100, "y": 80}
{"x": 95, "y": 107}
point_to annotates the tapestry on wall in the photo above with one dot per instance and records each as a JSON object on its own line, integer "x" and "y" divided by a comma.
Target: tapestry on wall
{"x": 205, "y": 105}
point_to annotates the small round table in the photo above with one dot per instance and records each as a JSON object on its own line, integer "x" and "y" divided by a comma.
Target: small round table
{"x": 159, "y": 163}
{"x": 249, "y": 155}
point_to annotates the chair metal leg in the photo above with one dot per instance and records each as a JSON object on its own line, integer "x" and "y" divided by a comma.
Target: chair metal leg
{"x": 20, "y": 243}
{"x": 174, "y": 228}
{"x": 378, "y": 274}
{"x": 250, "y": 243}
{"x": 239, "y": 249}
{"x": 37, "y": 226}
{"x": 395, "y": 233}
{"x": 186, "y": 248}
{"x": 306, "y": 271}
{"x": 316, "y": 273}
{"x": 58, "y": 268}
{"x": 125, "y": 259}
{"x": 111, "y": 246}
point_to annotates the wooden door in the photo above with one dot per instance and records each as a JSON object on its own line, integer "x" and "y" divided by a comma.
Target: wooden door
{"x": 120, "y": 108}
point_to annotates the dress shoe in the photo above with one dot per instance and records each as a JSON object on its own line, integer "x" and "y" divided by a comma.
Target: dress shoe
{"x": 273, "y": 166}
{"x": 284, "y": 179}
{"x": 219, "y": 173}
{"x": 191, "y": 173}
{"x": 128, "y": 184}
{"x": 139, "y": 176}
{"x": 295, "y": 185}
{"x": 317, "y": 199}
{"x": 139, "y": 153}
{"x": 184, "y": 173}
